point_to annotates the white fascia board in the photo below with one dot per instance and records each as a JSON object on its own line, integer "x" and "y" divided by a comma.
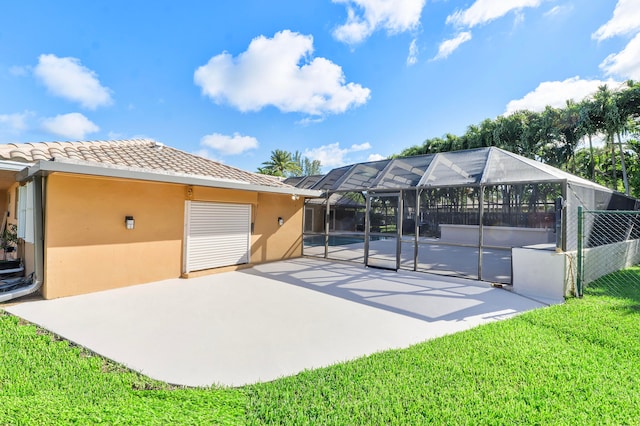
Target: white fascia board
{"x": 13, "y": 166}
{"x": 46, "y": 167}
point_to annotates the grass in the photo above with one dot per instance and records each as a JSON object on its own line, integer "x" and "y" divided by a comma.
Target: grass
{"x": 44, "y": 380}
{"x": 578, "y": 363}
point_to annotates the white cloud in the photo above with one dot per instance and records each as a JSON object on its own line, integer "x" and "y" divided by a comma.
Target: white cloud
{"x": 553, "y": 11}
{"x": 556, "y": 93}
{"x": 332, "y": 155}
{"x": 625, "y": 20}
{"x": 69, "y": 79}
{"x": 625, "y": 64}
{"x": 360, "y": 147}
{"x": 412, "y": 58}
{"x": 72, "y": 126}
{"x": 558, "y": 10}
{"x": 229, "y": 145}
{"x": 483, "y": 11}
{"x": 447, "y": 47}
{"x": 15, "y": 122}
{"x": 376, "y": 157}
{"x": 364, "y": 17}
{"x": 279, "y": 71}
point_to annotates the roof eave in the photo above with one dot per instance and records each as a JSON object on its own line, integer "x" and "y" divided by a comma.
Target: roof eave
{"x": 14, "y": 166}
{"x": 47, "y": 167}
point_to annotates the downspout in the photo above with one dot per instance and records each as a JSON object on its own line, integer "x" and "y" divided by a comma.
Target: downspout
{"x": 38, "y": 236}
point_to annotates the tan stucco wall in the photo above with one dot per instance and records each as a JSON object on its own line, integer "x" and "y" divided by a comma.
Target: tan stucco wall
{"x": 87, "y": 247}
{"x": 270, "y": 241}
{"x": 5, "y": 201}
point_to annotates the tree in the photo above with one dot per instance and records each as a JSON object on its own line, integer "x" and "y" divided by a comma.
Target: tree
{"x": 510, "y": 133}
{"x": 285, "y": 164}
{"x": 609, "y": 122}
{"x": 267, "y": 171}
{"x": 306, "y": 166}
{"x": 311, "y": 167}
{"x": 588, "y": 128}
{"x": 281, "y": 164}
{"x": 570, "y": 131}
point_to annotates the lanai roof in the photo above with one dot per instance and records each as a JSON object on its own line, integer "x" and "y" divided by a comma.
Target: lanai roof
{"x": 474, "y": 167}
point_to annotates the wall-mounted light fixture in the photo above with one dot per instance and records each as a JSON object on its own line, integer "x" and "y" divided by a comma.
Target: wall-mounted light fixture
{"x": 295, "y": 197}
{"x": 280, "y": 221}
{"x": 129, "y": 222}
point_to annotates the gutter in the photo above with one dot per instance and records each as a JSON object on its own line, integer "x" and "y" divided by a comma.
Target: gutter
{"x": 43, "y": 168}
{"x": 14, "y": 166}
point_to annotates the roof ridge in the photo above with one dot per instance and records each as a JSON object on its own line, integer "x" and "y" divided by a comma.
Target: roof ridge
{"x": 57, "y": 144}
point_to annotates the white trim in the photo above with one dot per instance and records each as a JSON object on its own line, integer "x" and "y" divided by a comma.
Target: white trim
{"x": 185, "y": 244}
{"x": 13, "y": 166}
{"x": 157, "y": 176}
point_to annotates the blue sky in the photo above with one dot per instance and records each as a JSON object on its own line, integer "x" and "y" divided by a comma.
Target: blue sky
{"x": 341, "y": 81}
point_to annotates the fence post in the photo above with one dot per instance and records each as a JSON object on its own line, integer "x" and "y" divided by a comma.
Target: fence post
{"x": 579, "y": 250}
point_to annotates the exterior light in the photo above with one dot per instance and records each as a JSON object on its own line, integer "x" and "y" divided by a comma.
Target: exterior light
{"x": 129, "y": 222}
{"x": 280, "y": 221}
{"x": 294, "y": 197}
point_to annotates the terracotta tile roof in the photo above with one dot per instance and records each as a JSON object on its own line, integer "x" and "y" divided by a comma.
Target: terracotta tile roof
{"x": 135, "y": 153}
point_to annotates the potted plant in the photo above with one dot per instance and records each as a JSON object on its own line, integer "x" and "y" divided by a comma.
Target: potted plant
{"x": 8, "y": 243}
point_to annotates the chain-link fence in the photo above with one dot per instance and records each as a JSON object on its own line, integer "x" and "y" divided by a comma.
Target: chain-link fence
{"x": 608, "y": 242}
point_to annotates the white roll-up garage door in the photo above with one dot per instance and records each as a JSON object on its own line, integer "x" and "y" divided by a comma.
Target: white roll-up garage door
{"x": 217, "y": 234}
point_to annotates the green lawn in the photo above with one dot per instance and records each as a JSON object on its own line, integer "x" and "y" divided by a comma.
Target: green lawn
{"x": 578, "y": 363}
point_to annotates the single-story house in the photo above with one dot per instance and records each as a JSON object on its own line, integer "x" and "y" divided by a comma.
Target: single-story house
{"x": 99, "y": 215}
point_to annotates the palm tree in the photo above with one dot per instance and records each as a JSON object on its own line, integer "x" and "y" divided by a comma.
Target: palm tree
{"x": 628, "y": 104}
{"x": 281, "y": 163}
{"x": 588, "y": 125}
{"x": 571, "y": 132}
{"x": 306, "y": 167}
{"x": 608, "y": 119}
{"x": 311, "y": 167}
{"x": 543, "y": 134}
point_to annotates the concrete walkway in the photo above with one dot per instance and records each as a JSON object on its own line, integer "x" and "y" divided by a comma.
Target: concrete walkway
{"x": 269, "y": 321}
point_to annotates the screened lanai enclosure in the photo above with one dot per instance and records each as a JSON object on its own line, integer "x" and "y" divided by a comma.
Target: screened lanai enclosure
{"x": 457, "y": 213}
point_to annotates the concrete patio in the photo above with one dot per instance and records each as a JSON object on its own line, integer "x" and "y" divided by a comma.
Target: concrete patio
{"x": 269, "y": 321}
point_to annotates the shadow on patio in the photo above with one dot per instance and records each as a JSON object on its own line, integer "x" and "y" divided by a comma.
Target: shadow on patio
{"x": 422, "y": 296}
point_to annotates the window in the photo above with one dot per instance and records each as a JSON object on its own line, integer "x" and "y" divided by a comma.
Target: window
{"x": 25, "y": 212}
